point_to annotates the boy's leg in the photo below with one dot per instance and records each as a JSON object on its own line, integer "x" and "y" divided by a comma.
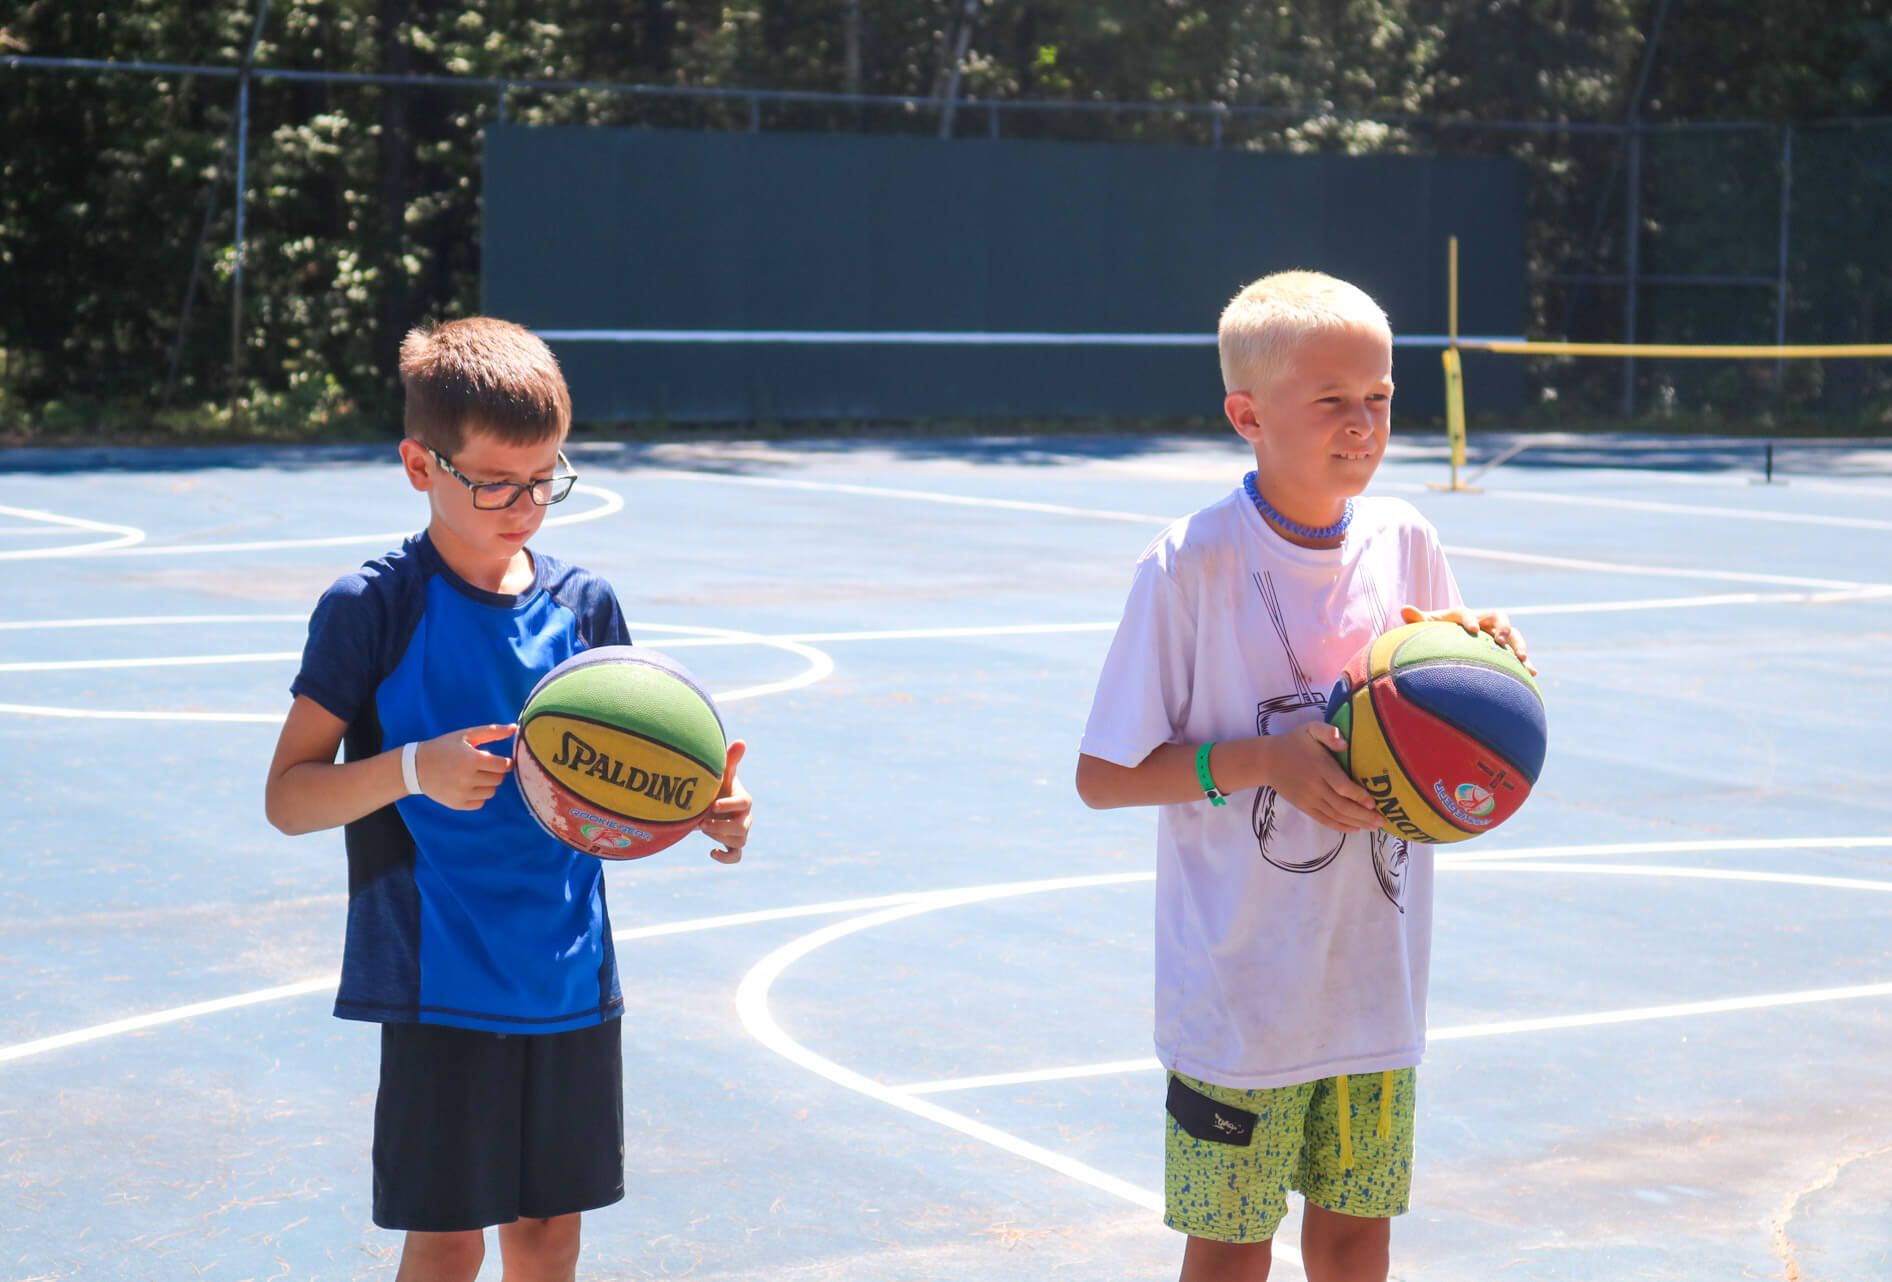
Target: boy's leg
{"x": 571, "y": 1155}
{"x": 1355, "y": 1184}
{"x": 446, "y": 1131}
{"x": 441, "y": 1257}
{"x": 1206, "y": 1260}
{"x": 540, "y": 1250}
{"x": 1344, "y": 1248}
{"x": 1229, "y": 1155}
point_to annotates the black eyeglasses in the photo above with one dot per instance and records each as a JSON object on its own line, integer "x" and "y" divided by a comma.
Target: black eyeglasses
{"x": 492, "y": 495}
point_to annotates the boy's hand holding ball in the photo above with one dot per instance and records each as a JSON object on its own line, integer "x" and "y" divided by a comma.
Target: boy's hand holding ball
{"x": 453, "y": 771}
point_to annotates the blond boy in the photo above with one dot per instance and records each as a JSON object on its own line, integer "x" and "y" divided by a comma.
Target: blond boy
{"x": 1293, "y": 934}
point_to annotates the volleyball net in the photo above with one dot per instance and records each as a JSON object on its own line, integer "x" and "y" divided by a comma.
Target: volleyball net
{"x": 1455, "y": 344}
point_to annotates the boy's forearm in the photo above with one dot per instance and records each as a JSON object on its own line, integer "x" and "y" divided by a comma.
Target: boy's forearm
{"x": 1167, "y": 777}
{"x": 312, "y": 795}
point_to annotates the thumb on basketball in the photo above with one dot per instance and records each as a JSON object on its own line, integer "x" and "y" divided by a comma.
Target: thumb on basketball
{"x": 732, "y": 757}
{"x": 487, "y": 734}
{"x": 1328, "y": 737}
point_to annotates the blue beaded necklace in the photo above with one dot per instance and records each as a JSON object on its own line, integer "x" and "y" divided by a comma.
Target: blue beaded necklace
{"x": 1268, "y": 513}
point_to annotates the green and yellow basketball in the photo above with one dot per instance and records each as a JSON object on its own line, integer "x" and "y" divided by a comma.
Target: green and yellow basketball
{"x": 620, "y": 751}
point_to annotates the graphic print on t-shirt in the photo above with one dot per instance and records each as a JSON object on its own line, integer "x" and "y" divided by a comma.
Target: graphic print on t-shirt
{"x": 1389, "y": 853}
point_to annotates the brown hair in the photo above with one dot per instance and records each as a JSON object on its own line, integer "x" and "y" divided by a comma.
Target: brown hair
{"x": 485, "y": 375}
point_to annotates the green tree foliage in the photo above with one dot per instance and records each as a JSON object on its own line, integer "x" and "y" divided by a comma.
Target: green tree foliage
{"x": 363, "y": 199}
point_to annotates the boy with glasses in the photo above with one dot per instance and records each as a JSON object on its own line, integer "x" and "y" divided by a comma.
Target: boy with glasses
{"x": 479, "y": 944}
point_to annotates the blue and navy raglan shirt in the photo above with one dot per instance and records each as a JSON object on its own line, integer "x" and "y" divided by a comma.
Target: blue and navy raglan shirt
{"x": 475, "y": 918}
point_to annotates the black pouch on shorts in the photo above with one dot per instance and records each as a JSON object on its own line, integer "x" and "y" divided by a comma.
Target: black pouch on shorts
{"x": 1209, "y": 1120}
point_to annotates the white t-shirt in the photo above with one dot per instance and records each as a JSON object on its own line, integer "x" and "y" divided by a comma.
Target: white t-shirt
{"x": 1285, "y": 952}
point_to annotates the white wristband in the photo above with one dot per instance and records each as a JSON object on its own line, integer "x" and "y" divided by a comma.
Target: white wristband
{"x": 410, "y": 754}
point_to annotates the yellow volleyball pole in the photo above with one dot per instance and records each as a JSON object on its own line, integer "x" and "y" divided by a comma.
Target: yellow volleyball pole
{"x": 1451, "y": 289}
{"x": 1454, "y": 373}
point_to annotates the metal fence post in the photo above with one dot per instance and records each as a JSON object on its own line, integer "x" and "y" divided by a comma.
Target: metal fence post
{"x": 242, "y": 159}
{"x": 1215, "y": 119}
{"x": 1786, "y": 240}
{"x": 502, "y": 104}
{"x": 992, "y": 119}
{"x": 1632, "y": 258}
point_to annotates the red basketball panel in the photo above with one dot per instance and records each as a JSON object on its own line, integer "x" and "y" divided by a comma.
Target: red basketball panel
{"x": 1470, "y": 786}
{"x": 1359, "y": 668}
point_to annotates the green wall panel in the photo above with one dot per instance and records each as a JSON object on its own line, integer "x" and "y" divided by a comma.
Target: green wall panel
{"x": 630, "y": 229}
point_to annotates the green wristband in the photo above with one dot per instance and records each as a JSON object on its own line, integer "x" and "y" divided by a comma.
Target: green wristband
{"x": 1215, "y": 795}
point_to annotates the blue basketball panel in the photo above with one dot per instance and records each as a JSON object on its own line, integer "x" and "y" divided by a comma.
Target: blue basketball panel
{"x": 1486, "y": 703}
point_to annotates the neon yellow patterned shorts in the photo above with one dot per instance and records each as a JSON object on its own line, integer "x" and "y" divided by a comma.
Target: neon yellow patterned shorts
{"x": 1232, "y": 1154}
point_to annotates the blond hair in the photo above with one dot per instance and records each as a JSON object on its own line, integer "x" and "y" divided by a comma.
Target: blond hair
{"x": 484, "y": 375}
{"x": 1262, "y": 325}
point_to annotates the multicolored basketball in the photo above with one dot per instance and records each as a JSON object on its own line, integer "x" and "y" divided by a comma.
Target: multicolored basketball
{"x": 1445, "y": 729}
{"x": 620, "y": 751}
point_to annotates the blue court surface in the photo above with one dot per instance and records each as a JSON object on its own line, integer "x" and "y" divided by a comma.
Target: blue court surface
{"x": 909, "y": 1036}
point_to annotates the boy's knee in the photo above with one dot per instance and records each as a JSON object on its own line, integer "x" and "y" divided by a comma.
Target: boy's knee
{"x": 1206, "y": 1260}
{"x": 541, "y": 1250}
{"x": 1346, "y": 1248}
{"x": 442, "y": 1257}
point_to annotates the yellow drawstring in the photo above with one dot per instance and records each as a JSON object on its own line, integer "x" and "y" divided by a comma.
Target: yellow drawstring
{"x": 1344, "y": 1115}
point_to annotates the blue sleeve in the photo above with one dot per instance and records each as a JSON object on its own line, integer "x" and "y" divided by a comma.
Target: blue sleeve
{"x": 347, "y": 634}
{"x": 589, "y": 597}
{"x": 607, "y": 626}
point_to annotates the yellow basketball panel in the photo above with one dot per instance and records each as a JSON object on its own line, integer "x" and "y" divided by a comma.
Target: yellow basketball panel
{"x": 1384, "y": 646}
{"x": 623, "y": 773}
{"x": 1376, "y": 769}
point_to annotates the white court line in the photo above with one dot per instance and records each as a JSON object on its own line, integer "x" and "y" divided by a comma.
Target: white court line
{"x": 1445, "y": 858}
{"x": 820, "y": 667}
{"x": 124, "y": 535}
{"x": 23, "y": 1050}
{"x": 1146, "y": 518}
{"x": 1667, "y": 870}
{"x": 1145, "y": 1064}
{"x": 171, "y": 661}
{"x": 1697, "y": 602}
{"x": 114, "y": 714}
{"x": 611, "y": 502}
{"x": 326, "y": 983}
{"x": 921, "y": 496}
{"x": 1461, "y": 1032}
{"x": 1662, "y": 572}
{"x": 906, "y": 898}
{"x": 752, "y": 1007}
{"x": 1688, "y": 509}
{"x": 797, "y": 641}
{"x": 150, "y": 621}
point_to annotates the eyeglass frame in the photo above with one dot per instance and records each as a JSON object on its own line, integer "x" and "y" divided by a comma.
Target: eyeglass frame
{"x": 517, "y": 487}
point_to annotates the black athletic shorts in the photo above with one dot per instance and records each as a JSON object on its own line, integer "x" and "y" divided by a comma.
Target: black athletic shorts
{"x": 474, "y": 1128}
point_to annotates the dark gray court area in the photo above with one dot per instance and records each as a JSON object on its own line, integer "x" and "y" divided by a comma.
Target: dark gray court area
{"x": 909, "y": 1036}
